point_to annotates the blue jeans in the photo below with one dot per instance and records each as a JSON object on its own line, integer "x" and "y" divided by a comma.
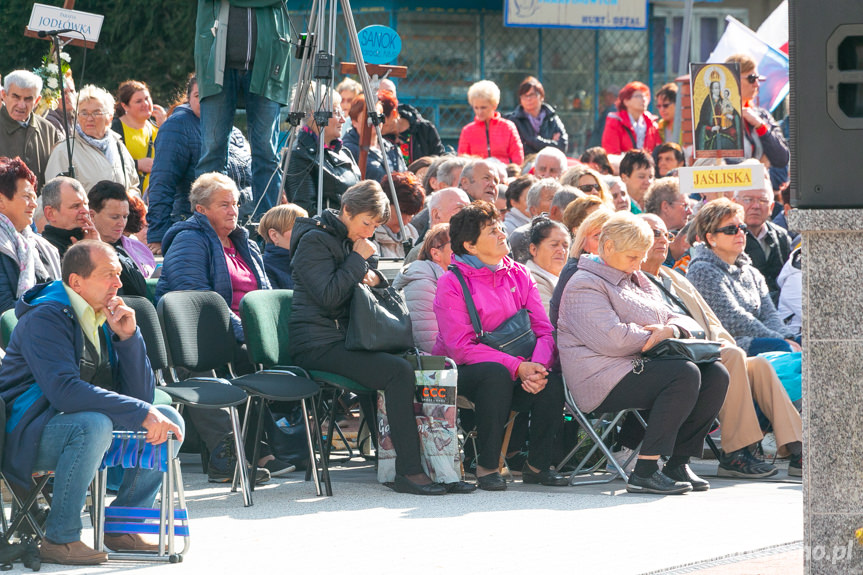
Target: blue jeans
{"x": 72, "y": 445}
{"x": 764, "y": 344}
{"x": 217, "y": 119}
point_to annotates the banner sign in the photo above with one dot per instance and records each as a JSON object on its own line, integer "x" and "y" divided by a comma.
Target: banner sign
{"x": 606, "y": 14}
{"x": 716, "y": 110}
{"x": 379, "y": 44}
{"x": 46, "y": 18}
{"x": 719, "y": 179}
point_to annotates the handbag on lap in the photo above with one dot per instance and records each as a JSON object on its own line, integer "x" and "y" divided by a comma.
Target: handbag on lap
{"x": 379, "y": 320}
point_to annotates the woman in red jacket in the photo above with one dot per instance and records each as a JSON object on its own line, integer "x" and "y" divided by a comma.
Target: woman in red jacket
{"x": 631, "y": 127}
{"x": 489, "y": 135}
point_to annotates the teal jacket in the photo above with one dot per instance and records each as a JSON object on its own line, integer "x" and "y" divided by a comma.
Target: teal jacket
{"x": 272, "y": 53}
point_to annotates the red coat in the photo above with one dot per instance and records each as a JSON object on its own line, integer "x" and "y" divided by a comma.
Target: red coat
{"x": 619, "y": 136}
{"x": 503, "y": 140}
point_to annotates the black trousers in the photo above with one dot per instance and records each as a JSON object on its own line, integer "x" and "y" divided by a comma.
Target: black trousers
{"x": 379, "y": 371}
{"x": 489, "y": 386}
{"x": 683, "y": 399}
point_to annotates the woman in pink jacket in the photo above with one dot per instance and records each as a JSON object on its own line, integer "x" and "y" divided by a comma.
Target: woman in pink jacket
{"x": 489, "y": 135}
{"x": 495, "y": 381}
{"x": 611, "y": 313}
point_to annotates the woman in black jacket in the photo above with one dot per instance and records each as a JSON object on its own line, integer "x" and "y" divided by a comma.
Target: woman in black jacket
{"x": 537, "y": 122}
{"x": 340, "y": 168}
{"x": 331, "y": 255}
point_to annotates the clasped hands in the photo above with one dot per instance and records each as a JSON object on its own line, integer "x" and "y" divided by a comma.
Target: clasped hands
{"x": 533, "y": 376}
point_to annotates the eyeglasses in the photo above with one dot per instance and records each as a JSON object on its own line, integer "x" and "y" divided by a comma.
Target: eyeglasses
{"x": 657, "y": 233}
{"x": 530, "y": 95}
{"x": 732, "y": 230}
{"x": 97, "y": 114}
{"x": 663, "y": 106}
{"x": 752, "y": 78}
{"x": 588, "y": 188}
{"x": 749, "y": 201}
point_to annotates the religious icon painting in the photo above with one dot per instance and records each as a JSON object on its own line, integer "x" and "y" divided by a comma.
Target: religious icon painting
{"x": 716, "y": 110}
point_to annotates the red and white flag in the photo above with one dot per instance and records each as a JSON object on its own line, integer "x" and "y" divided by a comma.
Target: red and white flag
{"x": 774, "y": 30}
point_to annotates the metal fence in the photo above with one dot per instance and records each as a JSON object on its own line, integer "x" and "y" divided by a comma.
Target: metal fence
{"x": 447, "y": 51}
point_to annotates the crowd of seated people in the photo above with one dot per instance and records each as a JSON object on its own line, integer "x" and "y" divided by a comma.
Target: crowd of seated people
{"x": 522, "y": 224}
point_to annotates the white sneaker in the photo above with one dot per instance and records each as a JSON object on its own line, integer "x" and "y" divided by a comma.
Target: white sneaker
{"x": 768, "y": 445}
{"x": 621, "y": 457}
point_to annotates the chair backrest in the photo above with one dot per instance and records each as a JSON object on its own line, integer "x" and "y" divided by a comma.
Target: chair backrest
{"x": 151, "y": 289}
{"x": 266, "y": 314}
{"x": 197, "y": 327}
{"x": 8, "y": 321}
{"x": 151, "y": 330}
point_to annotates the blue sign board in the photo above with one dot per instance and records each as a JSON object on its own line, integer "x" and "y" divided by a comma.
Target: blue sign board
{"x": 379, "y": 44}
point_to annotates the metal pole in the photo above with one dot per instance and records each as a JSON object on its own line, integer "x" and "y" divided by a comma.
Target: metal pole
{"x": 683, "y": 62}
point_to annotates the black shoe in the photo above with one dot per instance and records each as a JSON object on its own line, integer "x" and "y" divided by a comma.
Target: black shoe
{"x": 460, "y": 487}
{"x": 491, "y": 482}
{"x": 795, "y": 466}
{"x": 544, "y": 477}
{"x": 684, "y": 474}
{"x": 404, "y": 485}
{"x": 743, "y": 464}
{"x": 658, "y": 483}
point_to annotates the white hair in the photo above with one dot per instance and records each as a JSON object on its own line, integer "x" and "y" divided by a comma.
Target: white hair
{"x": 91, "y": 92}
{"x": 767, "y": 188}
{"x": 552, "y": 152}
{"x": 484, "y": 90}
{"x": 534, "y": 194}
{"x": 434, "y": 200}
{"x": 23, "y": 79}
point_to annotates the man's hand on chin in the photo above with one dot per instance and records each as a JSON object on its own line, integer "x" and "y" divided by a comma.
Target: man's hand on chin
{"x": 120, "y": 318}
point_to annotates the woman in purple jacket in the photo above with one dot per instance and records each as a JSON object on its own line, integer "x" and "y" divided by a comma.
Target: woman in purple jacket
{"x": 495, "y": 381}
{"x": 611, "y": 313}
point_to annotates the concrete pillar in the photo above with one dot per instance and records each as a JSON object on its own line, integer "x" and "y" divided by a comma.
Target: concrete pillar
{"x": 832, "y": 388}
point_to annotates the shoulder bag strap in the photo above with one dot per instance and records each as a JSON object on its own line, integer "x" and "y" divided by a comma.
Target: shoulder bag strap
{"x": 471, "y": 307}
{"x": 122, "y": 163}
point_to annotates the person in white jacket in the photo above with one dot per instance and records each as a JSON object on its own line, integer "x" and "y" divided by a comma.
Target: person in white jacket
{"x": 419, "y": 283}
{"x": 790, "y": 282}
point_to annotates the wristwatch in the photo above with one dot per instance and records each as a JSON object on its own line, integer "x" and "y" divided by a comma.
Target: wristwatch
{"x": 676, "y": 331}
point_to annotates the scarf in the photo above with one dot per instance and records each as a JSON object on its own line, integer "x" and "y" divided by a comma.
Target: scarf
{"x": 536, "y": 121}
{"x": 23, "y": 252}
{"x": 473, "y": 262}
{"x": 104, "y": 144}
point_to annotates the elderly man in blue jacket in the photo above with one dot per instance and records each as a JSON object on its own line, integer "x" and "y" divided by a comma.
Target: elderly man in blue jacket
{"x": 76, "y": 368}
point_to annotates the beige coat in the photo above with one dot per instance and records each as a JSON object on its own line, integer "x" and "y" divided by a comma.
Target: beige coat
{"x": 91, "y": 165}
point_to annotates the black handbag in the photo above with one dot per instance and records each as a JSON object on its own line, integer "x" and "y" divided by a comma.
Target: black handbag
{"x": 694, "y": 350}
{"x": 514, "y": 336}
{"x": 379, "y": 321}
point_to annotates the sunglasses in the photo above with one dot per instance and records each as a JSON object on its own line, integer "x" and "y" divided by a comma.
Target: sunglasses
{"x": 732, "y": 230}
{"x": 752, "y": 78}
{"x": 663, "y": 106}
{"x": 659, "y": 233}
{"x": 588, "y": 188}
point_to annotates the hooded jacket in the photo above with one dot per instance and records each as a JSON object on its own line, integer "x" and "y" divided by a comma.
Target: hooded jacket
{"x": 195, "y": 260}
{"x": 419, "y": 283}
{"x": 420, "y": 139}
{"x": 551, "y": 125}
{"x": 498, "y": 295}
{"x": 497, "y": 138}
{"x": 325, "y": 272}
{"x": 277, "y": 264}
{"x": 40, "y": 377}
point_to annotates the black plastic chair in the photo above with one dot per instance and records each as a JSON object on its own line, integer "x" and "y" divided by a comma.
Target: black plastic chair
{"x": 191, "y": 341}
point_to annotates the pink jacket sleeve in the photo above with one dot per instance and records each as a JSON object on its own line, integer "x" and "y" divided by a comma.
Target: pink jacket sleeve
{"x": 611, "y": 136}
{"x": 456, "y": 331}
{"x": 463, "y": 143}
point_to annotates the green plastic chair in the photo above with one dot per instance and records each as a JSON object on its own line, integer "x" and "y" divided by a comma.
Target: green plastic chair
{"x": 151, "y": 289}
{"x": 8, "y": 321}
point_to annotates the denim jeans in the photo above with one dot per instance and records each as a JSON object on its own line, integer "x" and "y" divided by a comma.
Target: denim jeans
{"x": 72, "y": 445}
{"x": 217, "y": 119}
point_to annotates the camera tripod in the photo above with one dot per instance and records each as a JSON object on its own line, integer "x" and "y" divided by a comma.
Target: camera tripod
{"x": 316, "y": 51}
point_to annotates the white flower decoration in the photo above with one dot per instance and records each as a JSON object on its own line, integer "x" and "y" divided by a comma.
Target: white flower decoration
{"x": 65, "y": 57}
{"x": 51, "y": 68}
{"x": 52, "y": 83}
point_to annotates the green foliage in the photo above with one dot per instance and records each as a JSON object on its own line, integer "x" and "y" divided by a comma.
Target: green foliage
{"x": 147, "y": 40}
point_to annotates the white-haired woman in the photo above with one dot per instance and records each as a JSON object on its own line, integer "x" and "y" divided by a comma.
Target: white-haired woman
{"x": 98, "y": 152}
{"x": 340, "y": 168}
{"x": 489, "y": 135}
{"x": 611, "y": 313}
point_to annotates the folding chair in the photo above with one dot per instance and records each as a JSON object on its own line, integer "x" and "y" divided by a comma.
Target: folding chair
{"x": 265, "y": 316}
{"x": 129, "y": 448}
{"x": 597, "y": 428}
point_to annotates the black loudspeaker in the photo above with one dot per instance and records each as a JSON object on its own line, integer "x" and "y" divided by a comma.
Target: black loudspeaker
{"x": 826, "y": 52}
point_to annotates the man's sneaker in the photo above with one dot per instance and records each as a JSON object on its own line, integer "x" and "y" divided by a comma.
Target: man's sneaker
{"x": 278, "y": 468}
{"x": 223, "y": 462}
{"x": 795, "y": 466}
{"x": 743, "y": 464}
{"x": 625, "y": 457}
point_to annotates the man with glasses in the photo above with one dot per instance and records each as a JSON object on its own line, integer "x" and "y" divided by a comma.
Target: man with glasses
{"x": 762, "y": 136}
{"x": 767, "y": 245}
{"x": 23, "y": 133}
{"x": 665, "y": 200}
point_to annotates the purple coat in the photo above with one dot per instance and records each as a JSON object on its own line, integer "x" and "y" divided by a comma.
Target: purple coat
{"x": 600, "y": 328}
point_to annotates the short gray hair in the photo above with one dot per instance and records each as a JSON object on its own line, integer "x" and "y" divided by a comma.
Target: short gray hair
{"x": 52, "y": 189}
{"x": 208, "y": 184}
{"x": 563, "y": 197}
{"x": 470, "y": 167}
{"x": 662, "y": 190}
{"x": 91, "y": 92}
{"x": 367, "y": 197}
{"x": 447, "y": 170}
{"x": 552, "y": 152}
{"x": 23, "y": 79}
{"x": 436, "y": 198}
{"x": 535, "y": 192}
